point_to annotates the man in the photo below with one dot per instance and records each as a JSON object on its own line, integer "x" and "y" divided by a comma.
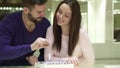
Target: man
{"x": 23, "y": 32}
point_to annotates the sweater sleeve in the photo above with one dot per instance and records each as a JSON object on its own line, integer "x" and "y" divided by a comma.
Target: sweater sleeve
{"x": 7, "y": 50}
{"x": 86, "y": 48}
{"x": 48, "y": 50}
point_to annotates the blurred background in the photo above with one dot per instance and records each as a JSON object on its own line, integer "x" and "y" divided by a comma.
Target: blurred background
{"x": 100, "y": 18}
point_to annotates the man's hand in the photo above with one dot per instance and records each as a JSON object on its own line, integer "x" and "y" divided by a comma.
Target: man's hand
{"x": 32, "y": 59}
{"x": 39, "y": 43}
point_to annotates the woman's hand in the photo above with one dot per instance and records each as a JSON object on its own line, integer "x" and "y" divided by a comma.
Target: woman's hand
{"x": 74, "y": 60}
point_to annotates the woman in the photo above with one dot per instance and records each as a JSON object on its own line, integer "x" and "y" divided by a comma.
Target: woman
{"x": 68, "y": 41}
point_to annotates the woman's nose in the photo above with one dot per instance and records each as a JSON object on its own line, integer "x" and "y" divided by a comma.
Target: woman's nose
{"x": 61, "y": 16}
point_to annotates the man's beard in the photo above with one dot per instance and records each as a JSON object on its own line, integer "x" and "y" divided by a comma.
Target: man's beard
{"x": 31, "y": 18}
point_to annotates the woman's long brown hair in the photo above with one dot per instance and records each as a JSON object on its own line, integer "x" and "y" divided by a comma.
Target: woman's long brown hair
{"x": 75, "y": 25}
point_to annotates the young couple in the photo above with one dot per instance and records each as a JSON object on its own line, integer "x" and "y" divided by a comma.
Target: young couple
{"x": 23, "y": 32}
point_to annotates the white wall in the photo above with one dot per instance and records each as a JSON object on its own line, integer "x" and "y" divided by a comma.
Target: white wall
{"x": 108, "y": 51}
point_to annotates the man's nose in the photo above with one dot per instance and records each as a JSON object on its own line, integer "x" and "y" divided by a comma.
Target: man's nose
{"x": 42, "y": 14}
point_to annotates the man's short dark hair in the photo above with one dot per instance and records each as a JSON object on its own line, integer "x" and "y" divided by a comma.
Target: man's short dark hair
{"x": 31, "y": 3}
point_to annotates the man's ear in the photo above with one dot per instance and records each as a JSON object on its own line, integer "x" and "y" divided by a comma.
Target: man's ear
{"x": 25, "y": 10}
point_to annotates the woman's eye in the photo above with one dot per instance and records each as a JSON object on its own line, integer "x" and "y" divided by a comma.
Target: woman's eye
{"x": 66, "y": 15}
{"x": 60, "y": 12}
